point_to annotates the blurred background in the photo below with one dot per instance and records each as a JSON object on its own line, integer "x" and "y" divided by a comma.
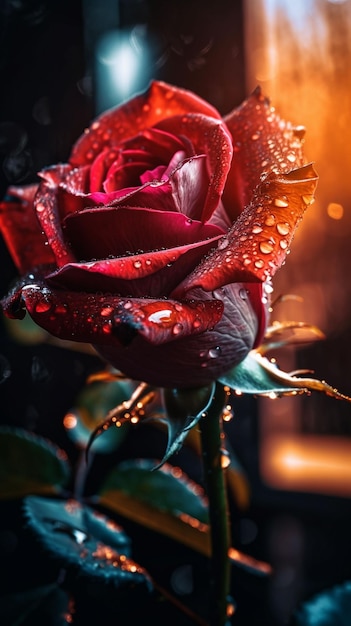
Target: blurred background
{"x": 62, "y": 63}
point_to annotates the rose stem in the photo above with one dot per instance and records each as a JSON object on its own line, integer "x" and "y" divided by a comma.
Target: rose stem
{"x": 211, "y": 429}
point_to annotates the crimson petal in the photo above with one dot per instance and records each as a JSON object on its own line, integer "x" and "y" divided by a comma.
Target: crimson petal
{"x": 211, "y": 137}
{"x": 143, "y": 111}
{"x": 21, "y": 230}
{"x": 262, "y": 143}
{"x": 258, "y": 242}
{"x": 109, "y": 231}
{"x": 101, "y": 320}
{"x": 102, "y": 274}
{"x": 49, "y": 211}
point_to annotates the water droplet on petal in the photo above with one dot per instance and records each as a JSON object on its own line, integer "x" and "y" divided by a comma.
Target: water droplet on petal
{"x": 283, "y": 228}
{"x": 42, "y": 307}
{"x": 259, "y": 263}
{"x": 214, "y": 353}
{"x": 256, "y": 229}
{"x": 243, "y": 293}
{"x": 160, "y": 317}
{"x": 266, "y": 247}
{"x": 308, "y": 199}
{"x": 281, "y": 202}
{"x": 223, "y": 243}
{"x": 137, "y": 264}
{"x": 177, "y": 328}
{"x": 270, "y": 220}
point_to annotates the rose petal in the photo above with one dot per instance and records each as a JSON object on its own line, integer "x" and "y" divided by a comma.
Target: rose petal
{"x": 262, "y": 143}
{"x": 50, "y": 210}
{"x": 258, "y": 242}
{"x": 21, "y": 230}
{"x": 109, "y": 231}
{"x": 145, "y": 110}
{"x": 210, "y": 137}
{"x": 116, "y": 275}
{"x": 107, "y": 319}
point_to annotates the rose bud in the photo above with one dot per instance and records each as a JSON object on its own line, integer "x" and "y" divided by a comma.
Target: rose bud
{"x": 155, "y": 241}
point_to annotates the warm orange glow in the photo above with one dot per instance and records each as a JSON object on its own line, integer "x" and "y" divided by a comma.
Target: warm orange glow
{"x": 335, "y": 210}
{"x": 70, "y": 421}
{"x": 307, "y": 463}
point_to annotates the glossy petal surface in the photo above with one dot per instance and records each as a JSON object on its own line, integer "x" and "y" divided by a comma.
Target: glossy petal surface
{"x": 262, "y": 143}
{"x": 258, "y": 242}
{"x": 145, "y": 110}
{"x": 107, "y": 319}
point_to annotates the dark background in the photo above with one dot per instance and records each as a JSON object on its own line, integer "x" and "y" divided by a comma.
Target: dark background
{"x": 48, "y": 97}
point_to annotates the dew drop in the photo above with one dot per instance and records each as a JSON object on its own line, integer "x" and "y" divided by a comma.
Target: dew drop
{"x": 266, "y": 247}
{"x": 259, "y": 263}
{"x": 137, "y": 264}
{"x": 61, "y": 308}
{"x": 283, "y": 244}
{"x": 42, "y": 307}
{"x": 214, "y": 353}
{"x": 281, "y": 202}
{"x": 160, "y": 317}
{"x": 223, "y": 243}
{"x": 308, "y": 199}
{"x": 283, "y": 228}
{"x": 40, "y": 207}
{"x": 243, "y": 293}
{"x": 270, "y": 220}
{"x": 247, "y": 261}
{"x": 196, "y": 323}
{"x": 291, "y": 157}
{"x": 128, "y": 304}
{"x": 177, "y": 328}
{"x": 107, "y": 329}
{"x": 255, "y": 136}
{"x": 256, "y": 229}
{"x": 106, "y": 311}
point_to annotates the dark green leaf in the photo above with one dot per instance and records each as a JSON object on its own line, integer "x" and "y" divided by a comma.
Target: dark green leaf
{"x": 184, "y": 408}
{"x": 83, "y": 540}
{"x": 257, "y": 375}
{"x": 330, "y": 608}
{"x": 167, "y": 489}
{"x": 30, "y": 464}
{"x": 48, "y": 604}
{"x": 165, "y": 501}
{"x": 91, "y": 408}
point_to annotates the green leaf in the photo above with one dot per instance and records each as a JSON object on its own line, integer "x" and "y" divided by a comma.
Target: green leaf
{"x": 257, "y": 375}
{"x": 29, "y": 607}
{"x": 165, "y": 501}
{"x": 167, "y": 489}
{"x": 184, "y": 408}
{"x": 91, "y": 408}
{"x": 327, "y": 609}
{"x": 83, "y": 541}
{"x": 30, "y": 464}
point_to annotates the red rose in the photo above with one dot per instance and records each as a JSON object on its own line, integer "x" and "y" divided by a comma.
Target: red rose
{"x": 154, "y": 241}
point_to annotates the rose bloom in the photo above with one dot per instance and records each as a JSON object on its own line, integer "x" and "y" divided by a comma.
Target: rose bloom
{"x": 157, "y": 239}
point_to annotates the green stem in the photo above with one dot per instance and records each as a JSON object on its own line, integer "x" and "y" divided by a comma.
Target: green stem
{"x": 211, "y": 429}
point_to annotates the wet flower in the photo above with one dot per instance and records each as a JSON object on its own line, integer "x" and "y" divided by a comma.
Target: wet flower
{"x": 154, "y": 241}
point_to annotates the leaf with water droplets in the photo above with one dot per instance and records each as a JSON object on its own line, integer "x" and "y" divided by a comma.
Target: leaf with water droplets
{"x": 91, "y": 407}
{"x": 281, "y": 334}
{"x": 257, "y": 375}
{"x": 108, "y": 319}
{"x": 85, "y": 542}
{"x": 30, "y": 464}
{"x": 167, "y": 502}
{"x": 255, "y": 256}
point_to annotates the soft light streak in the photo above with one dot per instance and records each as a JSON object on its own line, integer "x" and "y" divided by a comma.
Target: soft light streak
{"x": 312, "y": 463}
